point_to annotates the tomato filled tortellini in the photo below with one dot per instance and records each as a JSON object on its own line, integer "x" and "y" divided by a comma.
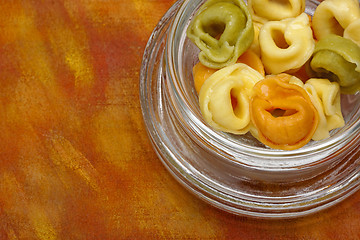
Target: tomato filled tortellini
{"x": 283, "y": 113}
{"x": 201, "y": 73}
{"x": 222, "y": 30}
{"x": 216, "y": 94}
{"x": 338, "y": 59}
{"x": 287, "y": 44}
{"x": 325, "y": 96}
{"x": 267, "y": 10}
{"x": 334, "y": 16}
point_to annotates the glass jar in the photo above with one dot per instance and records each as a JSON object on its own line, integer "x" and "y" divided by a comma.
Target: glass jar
{"x": 237, "y": 174}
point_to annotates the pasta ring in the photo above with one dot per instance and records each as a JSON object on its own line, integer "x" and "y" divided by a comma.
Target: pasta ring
{"x": 325, "y": 96}
{"x": 282, "y": 113}
{"x": 338, "y": 59}
{"x": 352, "y": 31}
{"x": 267, "y": 10}
{"x": 286, "y": 45}
{"x": 215, "y": 96}
{"x": 222, "y": 30}
{"x": 334, "y": 16}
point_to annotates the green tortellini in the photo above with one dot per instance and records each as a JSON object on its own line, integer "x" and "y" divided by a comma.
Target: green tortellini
{"x": 222, "y": 30}
{"x": 338, "y": 59}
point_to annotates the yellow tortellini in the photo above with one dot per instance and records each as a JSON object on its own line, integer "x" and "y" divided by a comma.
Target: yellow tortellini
{"x": 352, "y": 31}
{"x": 334, "y": 16}
{"x": 267, "y": 10}
{"x": 325, "y": 96}
{"x": 222, "y": 30}
{"x": 255, "y": 46}
{"x": 215, "y": 98}
{"x": 287, "y": 44}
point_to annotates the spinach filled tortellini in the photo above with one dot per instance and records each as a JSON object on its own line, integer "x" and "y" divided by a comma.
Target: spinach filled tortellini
{"x": 325, "y": 96}
{"x": 216, "y": 94}
{"x": 265, "y": 10}
{"x": 222, "y": 30}
{"x": 287, "y": 44}
{"x": 334, "y": 16}
{"x": 338, "y": 59}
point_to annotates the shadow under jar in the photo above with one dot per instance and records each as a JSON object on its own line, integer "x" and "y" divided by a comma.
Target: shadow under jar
{"x": 237, "y": 174}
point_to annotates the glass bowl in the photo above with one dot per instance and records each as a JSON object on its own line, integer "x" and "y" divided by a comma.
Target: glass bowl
{"x": 237, "y": 174}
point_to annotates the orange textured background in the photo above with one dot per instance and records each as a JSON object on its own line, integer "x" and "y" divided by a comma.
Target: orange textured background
{"x": 75, "y": 160}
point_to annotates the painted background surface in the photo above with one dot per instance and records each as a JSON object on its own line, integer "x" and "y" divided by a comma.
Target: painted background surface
{"x": 75, "y": 160}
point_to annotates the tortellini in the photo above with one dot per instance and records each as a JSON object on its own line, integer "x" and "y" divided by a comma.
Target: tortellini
{"x": 287, "y": 44}
{"x": 338, "y": 59}
{"x": 235, "y": 81}
{"x": 255, "y": 46}
{"x": 283, "y": 113}
{"x": 265, "y": 69}
{"x": 222, "y": 30}
{"x": 334, "y": 16}
{"x": 352, "y": 31}
{"x": 325, "y": 96}
{"x": 267, "y": 10}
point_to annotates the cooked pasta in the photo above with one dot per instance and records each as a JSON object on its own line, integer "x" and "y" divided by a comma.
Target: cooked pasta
{"x": 222, "y": 30}
{"x": 325, "y": 96}
{"x": 287, "y": 44}
{"x": 267, "y": 10}
{"x": 352, "y": 31}
{"x": 283, "y": 113}
{"x": 334, "y": 16}
{"x": 338, "y": 59}
{"x": 255, "y": 45}
{"x": 215, "y": 98}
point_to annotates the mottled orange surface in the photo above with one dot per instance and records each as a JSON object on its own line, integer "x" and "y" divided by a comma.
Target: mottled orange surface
{"x": 75, "y": 160}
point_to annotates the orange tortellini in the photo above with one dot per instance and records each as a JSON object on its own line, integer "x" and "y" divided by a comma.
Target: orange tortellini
{"x": 287, "y": 44}
{"x": 267, "y": 10}
{"x": 215, "y": 98}
{"x": 283, "y": 113}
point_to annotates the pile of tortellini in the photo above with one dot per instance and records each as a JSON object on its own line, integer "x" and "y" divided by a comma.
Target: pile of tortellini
{"x": 268, "y": 68}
